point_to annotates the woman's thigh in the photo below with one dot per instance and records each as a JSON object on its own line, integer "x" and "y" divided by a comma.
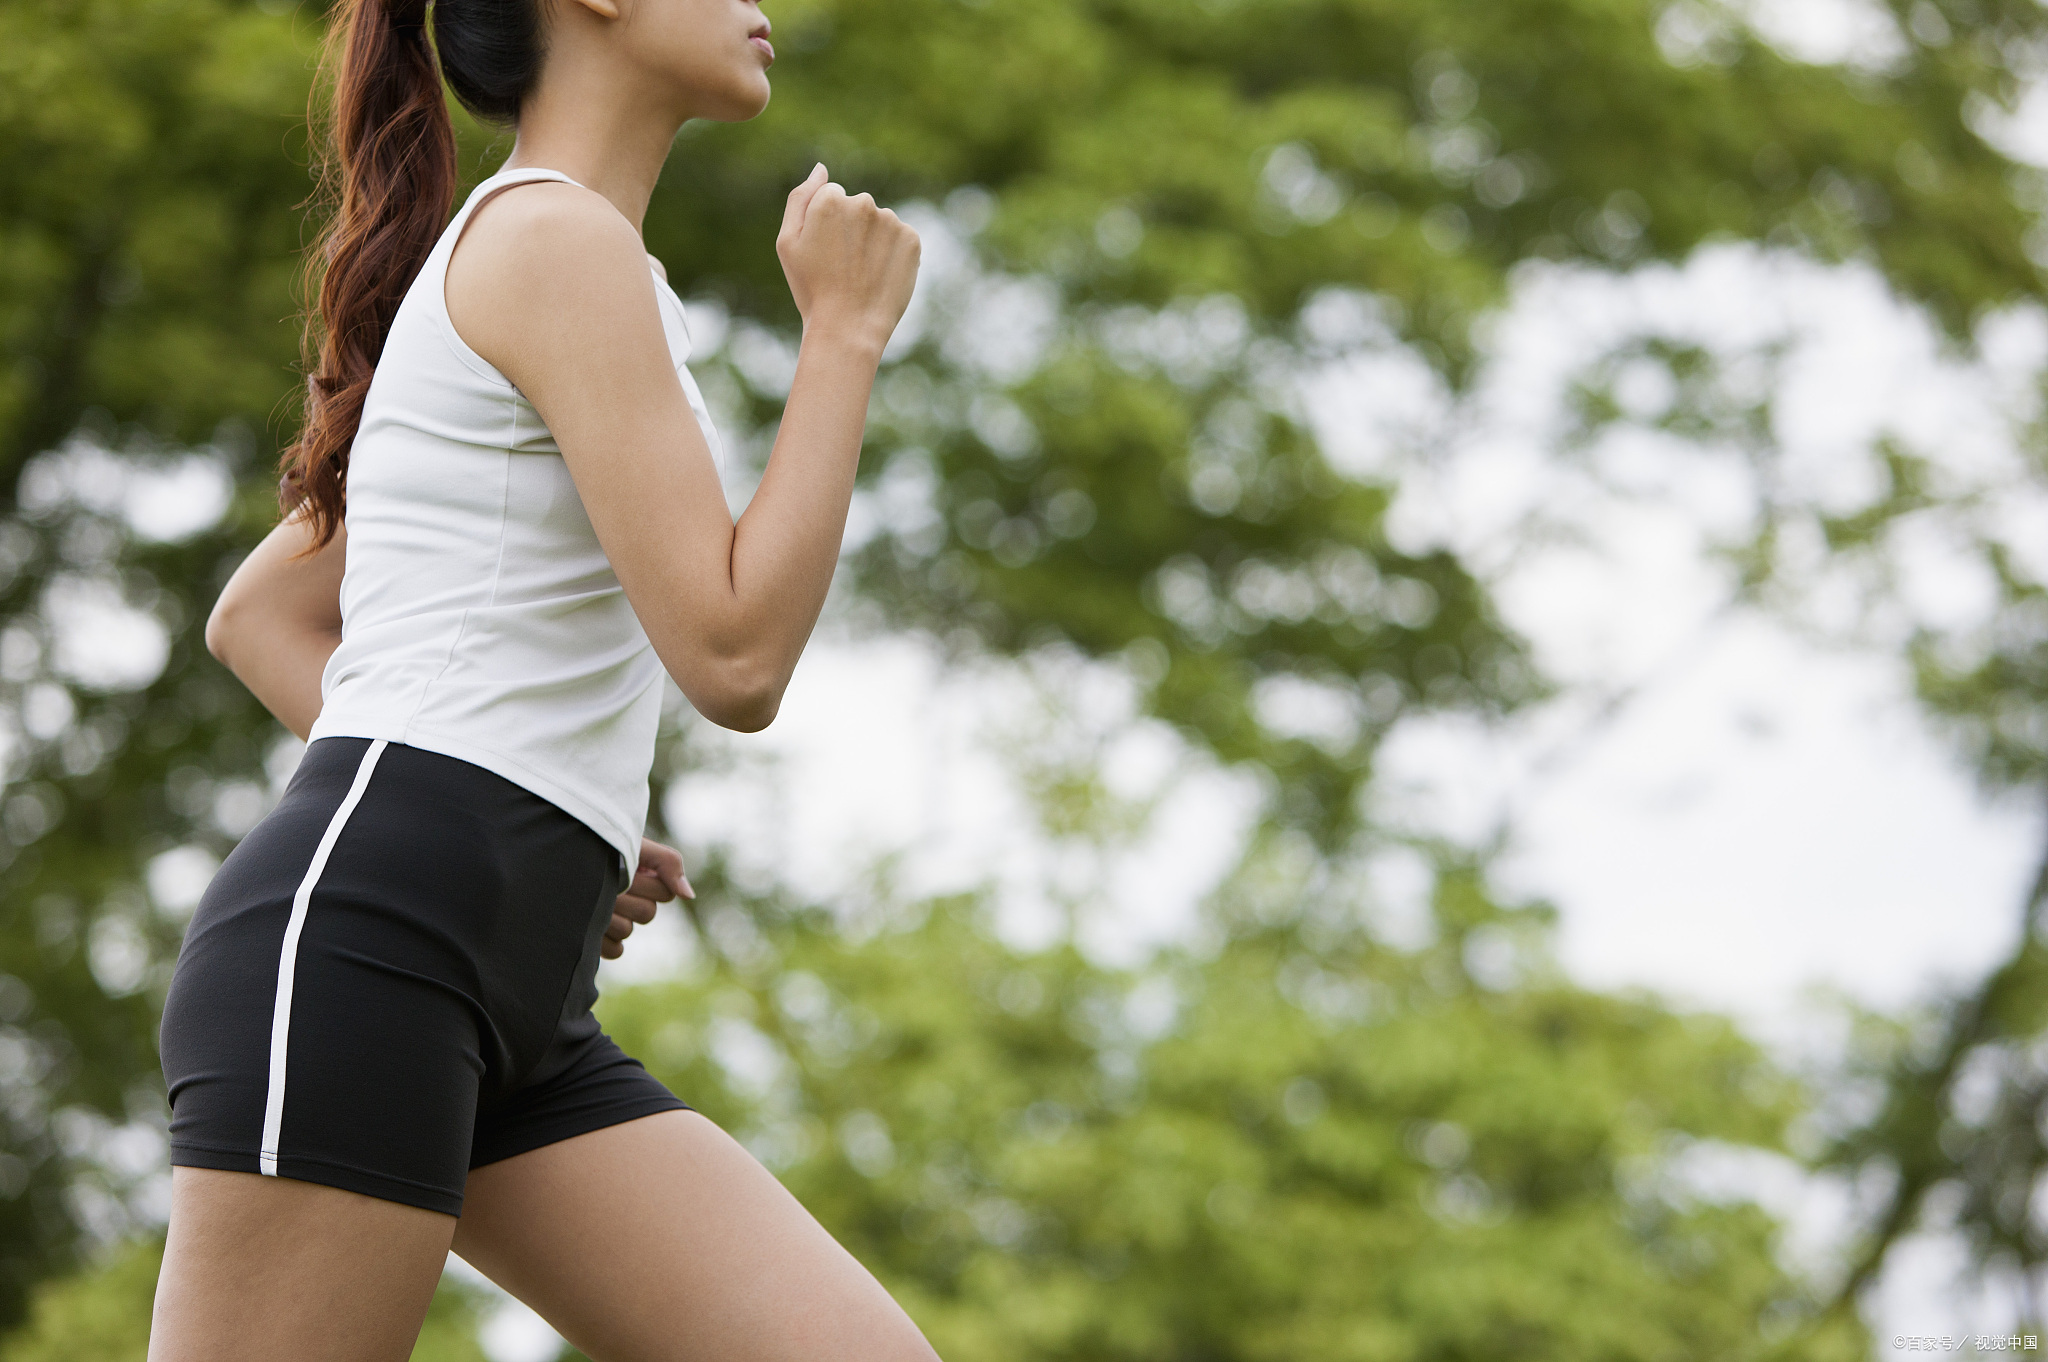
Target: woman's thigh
{"x": 661, "y": 1239}
{"x": 261, "y": 1268}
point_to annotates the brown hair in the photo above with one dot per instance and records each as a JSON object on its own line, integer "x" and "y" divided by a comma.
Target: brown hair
{"x": 389, "y": 176}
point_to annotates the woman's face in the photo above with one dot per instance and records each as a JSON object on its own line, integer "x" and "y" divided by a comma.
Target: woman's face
{"x": 713, "y": 53}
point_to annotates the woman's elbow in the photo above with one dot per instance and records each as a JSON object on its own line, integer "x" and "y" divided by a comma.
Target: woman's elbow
{"x": 747, "y": 719}
{"x": 742, "y": 713}
{"x": 220, "y": 627}
{"x": 740, "y": 698}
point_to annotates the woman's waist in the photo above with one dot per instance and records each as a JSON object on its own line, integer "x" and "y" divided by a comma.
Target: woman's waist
{"x": 467, "y": 667}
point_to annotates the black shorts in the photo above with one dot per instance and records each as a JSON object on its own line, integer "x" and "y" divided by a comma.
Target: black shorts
{"x": 389, "y": 983}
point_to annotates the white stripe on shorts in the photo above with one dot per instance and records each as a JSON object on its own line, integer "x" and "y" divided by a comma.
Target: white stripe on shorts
{"x": 288, "y": 961}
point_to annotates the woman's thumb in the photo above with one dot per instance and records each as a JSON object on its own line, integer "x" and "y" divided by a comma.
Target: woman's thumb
{"x": 800, "y": 199}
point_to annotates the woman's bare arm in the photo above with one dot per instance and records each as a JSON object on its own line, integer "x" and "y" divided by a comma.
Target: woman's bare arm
{"x": 552, "y": 286}
{"x": 278, "y": 620}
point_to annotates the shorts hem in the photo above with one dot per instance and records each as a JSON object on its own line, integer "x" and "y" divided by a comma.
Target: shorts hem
{"x": 541, "y": 1134}
{"x": 348, "y": 1177}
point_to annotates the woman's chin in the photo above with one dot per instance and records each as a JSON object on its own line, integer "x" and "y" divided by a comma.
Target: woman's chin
{"x": 741, "y": 103}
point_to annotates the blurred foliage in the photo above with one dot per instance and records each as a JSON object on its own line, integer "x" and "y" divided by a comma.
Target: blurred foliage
{"x": 1296, "y": 1142}
{"x": 1198, "y": 199}
{"x": 103, "y": 1315}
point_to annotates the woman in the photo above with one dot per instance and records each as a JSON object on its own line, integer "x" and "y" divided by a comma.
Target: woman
{"x": 378, "y": 1039}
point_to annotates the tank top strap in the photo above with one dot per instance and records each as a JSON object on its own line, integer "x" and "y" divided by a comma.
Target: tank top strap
{"x": 488, "y": 188}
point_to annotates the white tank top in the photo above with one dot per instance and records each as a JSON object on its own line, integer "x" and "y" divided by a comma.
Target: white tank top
{"x": 480, "y": 616}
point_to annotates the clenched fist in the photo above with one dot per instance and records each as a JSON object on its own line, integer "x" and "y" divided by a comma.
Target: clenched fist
{"x": 851, "y": 265}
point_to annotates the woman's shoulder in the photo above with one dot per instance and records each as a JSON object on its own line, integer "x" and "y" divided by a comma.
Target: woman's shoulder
{"x": 544, "y": 253}
{"x": 548, "y": 224}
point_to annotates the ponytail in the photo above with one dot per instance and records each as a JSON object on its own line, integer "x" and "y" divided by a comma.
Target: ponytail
{"x": 389, "y": 174}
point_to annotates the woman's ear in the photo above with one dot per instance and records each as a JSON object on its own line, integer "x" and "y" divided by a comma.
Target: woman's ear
{"x": 603, "y": 9}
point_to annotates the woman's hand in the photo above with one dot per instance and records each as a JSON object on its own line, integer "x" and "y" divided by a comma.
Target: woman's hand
{"x": 659, "y": 879}
{"x": 850, "y": 264}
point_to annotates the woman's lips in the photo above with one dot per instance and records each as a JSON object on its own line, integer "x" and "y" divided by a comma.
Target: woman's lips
{"x": 762, "y": 43}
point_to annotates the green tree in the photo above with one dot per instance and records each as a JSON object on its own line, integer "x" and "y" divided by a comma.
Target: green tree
{"x": 1297, "y": 1142}
{"x": 103, "y": 1316}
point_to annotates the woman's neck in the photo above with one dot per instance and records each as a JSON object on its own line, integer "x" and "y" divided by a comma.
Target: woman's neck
{"x": 611, "y": 140}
